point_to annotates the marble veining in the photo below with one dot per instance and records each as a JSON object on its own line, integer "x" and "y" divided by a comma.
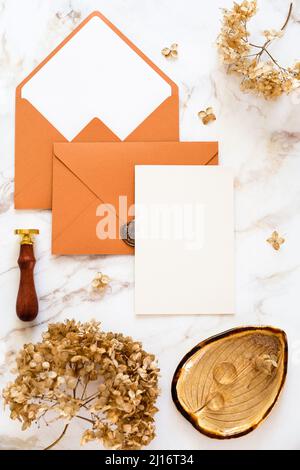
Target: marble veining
{"x": 258, "y": 139}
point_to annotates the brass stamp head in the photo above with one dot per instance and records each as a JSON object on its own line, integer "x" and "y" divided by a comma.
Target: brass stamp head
{"x": 27, "y": 235}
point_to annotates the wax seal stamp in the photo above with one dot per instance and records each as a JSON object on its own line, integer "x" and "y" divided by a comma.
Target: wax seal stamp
{"x": 128, "y": 233}
{"x": 27, "y": 302}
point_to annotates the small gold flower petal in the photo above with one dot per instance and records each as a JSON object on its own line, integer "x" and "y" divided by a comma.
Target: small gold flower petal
{"x": 105, "y": 280}
{"x": 275, "y": 240}
{"x": 95, "y": 283}
{"x": 207, "y": 116}
{"x": 171, "y": 51}
{"x": 100, "y": 282}
{"x": 166, "y": 51}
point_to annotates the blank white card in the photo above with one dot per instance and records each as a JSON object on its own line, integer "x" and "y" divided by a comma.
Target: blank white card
{"x": 184, "y": 240}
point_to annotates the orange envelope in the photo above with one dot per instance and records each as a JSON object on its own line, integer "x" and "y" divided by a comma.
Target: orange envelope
{"x": 96, "y": 86}
{"x": 89, "y": 178}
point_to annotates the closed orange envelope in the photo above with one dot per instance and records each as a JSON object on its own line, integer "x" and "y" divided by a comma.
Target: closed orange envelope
{"x": 90, "y": 178}
{"x": 96, "y": 86}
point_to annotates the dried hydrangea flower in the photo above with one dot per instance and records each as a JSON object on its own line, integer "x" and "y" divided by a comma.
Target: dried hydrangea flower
{"x": 266, "y": 78}
{"x": 171, "y": 51}
{"x": 207, "y": 116}
{"x": 101, "y": 282}
{"x": 271, "y": 34}
{"x": 276, "y": 241}
{"x": 78, "y": 371}
{"x": 296, "y": 71}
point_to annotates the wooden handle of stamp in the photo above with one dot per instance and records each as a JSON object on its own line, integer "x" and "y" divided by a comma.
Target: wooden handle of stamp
{"x": 27, "y": 301}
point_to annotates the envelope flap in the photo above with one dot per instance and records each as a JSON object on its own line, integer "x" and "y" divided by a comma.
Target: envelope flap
{"x": 107, "y": 169}
{"x": 97, "y": 167}
{"x": 97, "y": 73}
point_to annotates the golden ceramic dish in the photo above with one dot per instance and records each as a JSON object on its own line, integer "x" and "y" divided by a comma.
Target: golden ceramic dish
{"x": 228, "y": 384}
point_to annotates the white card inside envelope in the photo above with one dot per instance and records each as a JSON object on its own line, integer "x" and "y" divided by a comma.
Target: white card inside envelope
{"x": 96, "y": 75}
{"x": 184, "y": 242}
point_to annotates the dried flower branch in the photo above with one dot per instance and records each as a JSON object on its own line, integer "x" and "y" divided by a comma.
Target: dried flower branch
{"x": 78, "y": 371}
{"x": 267, "y": 78}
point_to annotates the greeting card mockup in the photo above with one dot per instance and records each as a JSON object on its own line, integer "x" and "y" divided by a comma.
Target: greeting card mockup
{"x": 184, "y": 240}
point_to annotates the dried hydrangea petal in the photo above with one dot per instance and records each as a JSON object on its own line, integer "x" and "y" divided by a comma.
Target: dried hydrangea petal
{"x": 171, "y": 51}
{"x": 207, "y": 116}
{"x": 105, "y": 280}
{"x": 95, "y": 283}
{"x": 166, "y": 51}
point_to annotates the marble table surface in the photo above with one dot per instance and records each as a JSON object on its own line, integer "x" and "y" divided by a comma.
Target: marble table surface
{"x": 260, "y": 140}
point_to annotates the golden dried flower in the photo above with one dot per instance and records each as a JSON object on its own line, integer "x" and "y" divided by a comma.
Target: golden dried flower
{"x": 101, "y": 282}
{"x": 171, "y": 52}
{"x": 276, "y": 241}
{"x": 271, "y": 34}
{"x": 207, "y": 116}
{"x": 78, "y": 371}
{"x": 296, "y": 71}
{"x": 243, "y": 58}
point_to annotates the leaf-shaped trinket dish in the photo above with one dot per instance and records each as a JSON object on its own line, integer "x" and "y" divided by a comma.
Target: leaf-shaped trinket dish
{"x": 228, "y": 384}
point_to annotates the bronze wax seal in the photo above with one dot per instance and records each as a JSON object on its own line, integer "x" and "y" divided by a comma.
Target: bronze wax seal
{"x": 127, "y": 233}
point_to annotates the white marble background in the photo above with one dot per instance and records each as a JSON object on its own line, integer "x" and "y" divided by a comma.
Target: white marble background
{"x": 260, "y": 140}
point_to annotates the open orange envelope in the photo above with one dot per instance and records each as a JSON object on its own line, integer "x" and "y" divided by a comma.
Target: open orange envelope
{"x": 92, "y": 181}
{"x": 96, "y": 86}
